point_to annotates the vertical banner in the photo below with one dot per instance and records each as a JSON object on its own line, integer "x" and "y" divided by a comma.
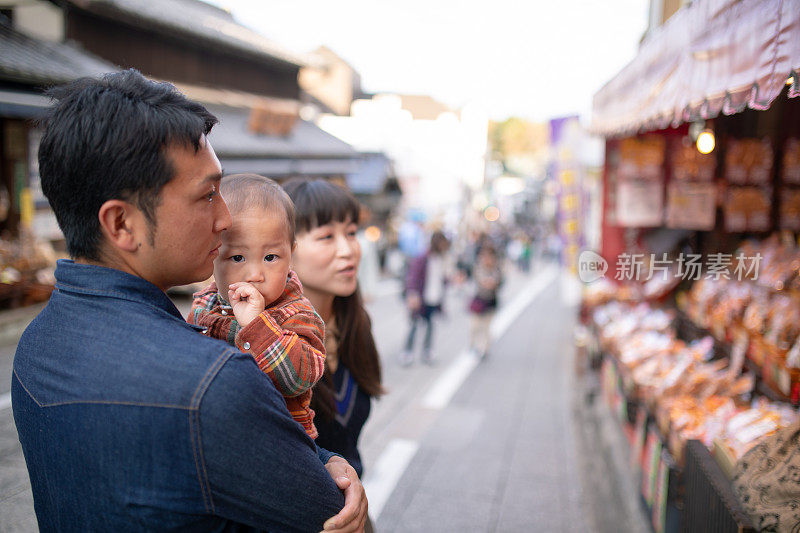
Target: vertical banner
{"x": 566, "y": 172}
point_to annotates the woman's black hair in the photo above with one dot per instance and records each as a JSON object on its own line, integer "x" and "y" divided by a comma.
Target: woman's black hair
{"x": 319, "y": 202}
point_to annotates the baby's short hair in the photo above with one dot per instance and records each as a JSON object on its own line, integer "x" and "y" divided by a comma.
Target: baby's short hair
{"x": 251, "y": 191}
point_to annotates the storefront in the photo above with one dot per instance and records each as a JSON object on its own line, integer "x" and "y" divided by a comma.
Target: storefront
{"x": 697, "y": 320}
{"x": 28, "y": 228}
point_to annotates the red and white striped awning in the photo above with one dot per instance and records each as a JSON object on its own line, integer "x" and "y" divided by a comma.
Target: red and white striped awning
{"x": 711, "y": 57}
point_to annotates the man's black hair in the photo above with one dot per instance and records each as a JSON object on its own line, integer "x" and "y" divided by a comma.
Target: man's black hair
{"x": 105, "y": 138}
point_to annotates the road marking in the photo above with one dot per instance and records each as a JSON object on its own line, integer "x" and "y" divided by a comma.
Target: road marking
{"x": 509, "y": 313}
{"x": 571, "y": 290}
{"x": 393, "y": 461}
{"x": 448, "y": 383}
{"x": 382, "y": 479}
{"x": 5, "y": 401}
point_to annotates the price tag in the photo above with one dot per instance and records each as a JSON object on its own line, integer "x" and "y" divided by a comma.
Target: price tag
{"x": 738, "y": 353}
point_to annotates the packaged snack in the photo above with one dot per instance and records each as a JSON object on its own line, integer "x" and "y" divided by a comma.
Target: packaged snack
{"x": 748, "y": 209}
{"x": 791, "y": 162}
{"x": 749, "y": 161}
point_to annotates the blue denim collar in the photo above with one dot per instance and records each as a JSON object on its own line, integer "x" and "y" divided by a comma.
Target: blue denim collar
{"x": 97, "y": 280}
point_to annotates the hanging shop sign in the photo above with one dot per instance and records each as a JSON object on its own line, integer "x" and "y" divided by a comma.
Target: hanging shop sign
{"x": 640, "y": 204}
{"x": 640, "y": 182}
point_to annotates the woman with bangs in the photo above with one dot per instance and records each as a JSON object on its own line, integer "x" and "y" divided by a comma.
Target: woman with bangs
{"x": 326, "y": 261}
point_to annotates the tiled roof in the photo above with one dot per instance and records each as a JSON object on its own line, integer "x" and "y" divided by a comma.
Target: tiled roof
{"x": 28, "y": 60}
{"x": 197, "y": 19}
{"x": 231, "y": 137}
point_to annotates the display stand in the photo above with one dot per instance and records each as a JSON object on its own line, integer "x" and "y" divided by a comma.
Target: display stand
{"x": 696, "y": 498}
{"x": 659, "y": 476}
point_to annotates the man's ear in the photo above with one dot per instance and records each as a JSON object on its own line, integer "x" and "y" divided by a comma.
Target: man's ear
{"x": 119, "y": 222}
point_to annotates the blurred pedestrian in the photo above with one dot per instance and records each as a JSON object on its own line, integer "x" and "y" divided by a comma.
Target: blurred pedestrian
{"x": 424, "y": 294}
{"x": 411, "y": 235}
{"x": 525, "y": 256}
{"x": 488, "y": 277}
{"x": 129, "y": 419}
{"x": 326, "y": 260}
{"x": 466, "y": 254}
{"x": 369, "y": 269}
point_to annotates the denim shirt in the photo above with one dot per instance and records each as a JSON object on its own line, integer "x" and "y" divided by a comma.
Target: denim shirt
{"x": 130, "y": 420}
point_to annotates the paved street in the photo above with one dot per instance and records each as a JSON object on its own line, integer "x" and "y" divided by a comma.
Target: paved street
{"x": 512, "y": 443}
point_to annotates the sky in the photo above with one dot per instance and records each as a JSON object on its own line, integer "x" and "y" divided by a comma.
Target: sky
{"x": 536, "y": 59}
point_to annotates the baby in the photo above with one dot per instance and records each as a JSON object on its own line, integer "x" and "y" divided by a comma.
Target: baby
{"x": 257, "y": 302}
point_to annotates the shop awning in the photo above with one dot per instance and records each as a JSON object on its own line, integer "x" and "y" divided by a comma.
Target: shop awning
{"x": 711, "y": 57}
